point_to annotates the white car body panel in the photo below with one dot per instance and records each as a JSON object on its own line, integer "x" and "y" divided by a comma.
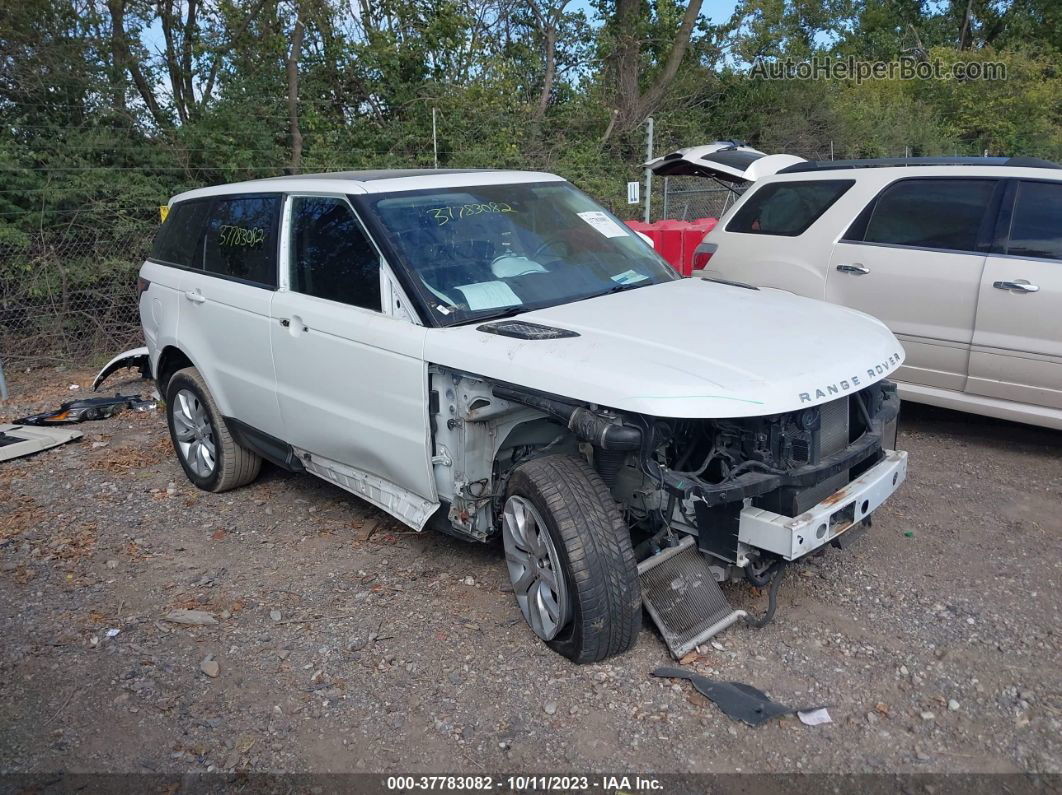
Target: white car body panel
{"x": 131, "y": 358}
{"x": 231, "y": 321}
{"x": 160, "y": 309}
{"x": 688, "y": 348}
{"x": 1016, "y": 349}
{"x": 969, "y": 345}
{"x": 936, "y": 334}
{"x": 352, "y": 387}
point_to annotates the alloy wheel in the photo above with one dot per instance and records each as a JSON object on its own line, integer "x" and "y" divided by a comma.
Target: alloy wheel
{"x": 194, "y": 433}
{"x": 534, "y": 568}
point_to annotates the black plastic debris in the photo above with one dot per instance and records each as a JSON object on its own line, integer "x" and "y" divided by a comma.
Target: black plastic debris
{"x": 88, "y": 409}
{"x": 738, "y": 700}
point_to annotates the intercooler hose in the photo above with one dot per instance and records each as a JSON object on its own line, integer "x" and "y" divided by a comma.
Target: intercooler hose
{"x": 774, "y": 575}
{"x": 608, "y": 463}
{"x": 588, "y": 426}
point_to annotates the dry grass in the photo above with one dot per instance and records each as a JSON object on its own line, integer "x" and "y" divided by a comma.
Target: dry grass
{"x": 24, "y": 514}
{"x": 123, "y": 459}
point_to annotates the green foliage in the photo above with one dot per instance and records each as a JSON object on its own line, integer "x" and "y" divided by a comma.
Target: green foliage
{"x": 85, "y": 155}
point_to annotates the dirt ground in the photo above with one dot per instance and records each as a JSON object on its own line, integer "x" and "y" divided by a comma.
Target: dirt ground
{"x": 345, "y": 642}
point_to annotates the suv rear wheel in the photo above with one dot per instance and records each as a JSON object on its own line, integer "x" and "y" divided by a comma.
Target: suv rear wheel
{"x": 208, "y": 454}
{"x": 570, "y": 560}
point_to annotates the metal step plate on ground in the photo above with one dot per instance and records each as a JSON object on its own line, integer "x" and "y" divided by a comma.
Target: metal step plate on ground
{"x": 20, "y": 440}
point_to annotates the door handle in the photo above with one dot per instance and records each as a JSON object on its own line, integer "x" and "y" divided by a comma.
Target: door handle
{"x": 856, "y": 269}
{"x": 286, "y": 323}
{"x": 1017, "y": 286}
{"x": 195, "y": 296}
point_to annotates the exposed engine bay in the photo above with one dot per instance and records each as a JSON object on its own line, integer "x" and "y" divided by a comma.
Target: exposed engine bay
{"x": 712, "y": 479}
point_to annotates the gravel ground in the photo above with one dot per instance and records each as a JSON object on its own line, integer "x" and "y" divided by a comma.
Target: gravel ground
{"x": 345, "y": 642}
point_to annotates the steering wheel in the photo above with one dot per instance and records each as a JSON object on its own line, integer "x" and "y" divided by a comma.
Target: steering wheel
{"x": 547, "y": 244}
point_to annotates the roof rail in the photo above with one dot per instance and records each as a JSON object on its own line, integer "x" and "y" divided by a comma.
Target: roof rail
{"x": 893, "y": 162}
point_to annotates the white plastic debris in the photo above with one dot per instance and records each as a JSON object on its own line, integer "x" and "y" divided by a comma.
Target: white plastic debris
{"x": 112, "y": 632}
{"x": 814, "y": 717}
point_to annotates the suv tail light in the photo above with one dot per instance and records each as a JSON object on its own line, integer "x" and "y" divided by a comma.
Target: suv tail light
{"x": 142, "y": 286}
{"x": 703, "y": 254}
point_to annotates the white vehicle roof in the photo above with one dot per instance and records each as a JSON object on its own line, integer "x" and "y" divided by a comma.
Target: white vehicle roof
{"x": 888, "y": 173}
{"x": 380, "y": 181}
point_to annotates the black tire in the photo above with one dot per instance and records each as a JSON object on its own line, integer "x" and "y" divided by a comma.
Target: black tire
{"x": 597, "y": 560}
{"x": 234, "y": 466}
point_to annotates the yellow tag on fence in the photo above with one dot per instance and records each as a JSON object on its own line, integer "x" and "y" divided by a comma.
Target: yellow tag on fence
{"x": 164, "y": 210}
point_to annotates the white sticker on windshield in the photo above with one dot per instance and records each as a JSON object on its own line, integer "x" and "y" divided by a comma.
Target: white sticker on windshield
{"x": 603, "y": 224}
{"x": 489, "y": 295}
{"x": 629, "y": 277}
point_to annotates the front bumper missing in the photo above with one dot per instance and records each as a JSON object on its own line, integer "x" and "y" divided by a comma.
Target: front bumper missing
{"x": 792, "y": 537}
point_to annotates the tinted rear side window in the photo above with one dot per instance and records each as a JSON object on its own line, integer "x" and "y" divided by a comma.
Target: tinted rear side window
{"x": 241, "y": 239}
{"x": 1036, "y": 229}
{"x": 177, "y": 238}
{"x": 931, "y": 213}
{"x": 787, "y": 208}
{"x": 331, "y": 257}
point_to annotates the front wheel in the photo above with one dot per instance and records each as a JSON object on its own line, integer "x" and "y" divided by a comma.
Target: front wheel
{"x": 570, "y": 560}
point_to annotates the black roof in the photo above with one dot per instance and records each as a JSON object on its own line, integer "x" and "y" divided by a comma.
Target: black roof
{"x": 893, "y": 162}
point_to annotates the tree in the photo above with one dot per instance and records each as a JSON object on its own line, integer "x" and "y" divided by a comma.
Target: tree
{"x": 640, "y": 88}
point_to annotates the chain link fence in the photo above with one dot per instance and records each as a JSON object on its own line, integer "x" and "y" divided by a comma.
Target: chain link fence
{"x": 70, "y": 300}
{"x": 689, "y": 198}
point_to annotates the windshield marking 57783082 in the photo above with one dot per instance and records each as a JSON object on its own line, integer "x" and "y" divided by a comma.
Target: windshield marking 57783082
{"x": 479, "y": 251}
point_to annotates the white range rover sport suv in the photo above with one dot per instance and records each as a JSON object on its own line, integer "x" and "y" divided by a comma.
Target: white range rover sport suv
{"x": 491, "y": 353}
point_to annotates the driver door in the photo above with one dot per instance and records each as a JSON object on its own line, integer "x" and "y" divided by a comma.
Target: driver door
{"x": 352, "y": 383}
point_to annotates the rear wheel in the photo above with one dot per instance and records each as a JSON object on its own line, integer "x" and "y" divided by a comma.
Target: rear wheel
{"x": 208, "y": 454}
{"x": 570, "y": 560}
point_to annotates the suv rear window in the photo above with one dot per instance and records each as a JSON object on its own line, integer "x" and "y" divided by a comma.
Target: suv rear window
{"x": 928, "y": 213}
{"x": 175, "y": 242}
{"x": 787, "y": 208}
{"x": 1035, "y": 230}
{"x": 241, "y": 239}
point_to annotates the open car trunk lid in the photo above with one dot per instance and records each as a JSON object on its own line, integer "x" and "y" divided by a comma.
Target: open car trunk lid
{"x": 731, "y": 161}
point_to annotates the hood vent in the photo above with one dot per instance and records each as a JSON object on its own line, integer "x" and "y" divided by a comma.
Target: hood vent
{"x": 522, "y": 330}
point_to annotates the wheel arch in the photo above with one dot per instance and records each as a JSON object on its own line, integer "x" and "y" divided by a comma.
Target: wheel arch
{"x": 171, "y": 360}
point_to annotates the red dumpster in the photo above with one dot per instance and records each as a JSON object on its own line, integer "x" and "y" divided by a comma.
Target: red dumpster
{"x": 676, "y": 240}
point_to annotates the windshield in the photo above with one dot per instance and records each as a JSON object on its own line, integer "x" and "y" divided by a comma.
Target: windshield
{"x": 480, "y": 252}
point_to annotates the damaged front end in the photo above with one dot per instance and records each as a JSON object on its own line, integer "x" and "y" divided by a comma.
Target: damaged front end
{"x": 719, "y": 480}
{"x": 723, "y": 480}
{"x": 704, "y": 500}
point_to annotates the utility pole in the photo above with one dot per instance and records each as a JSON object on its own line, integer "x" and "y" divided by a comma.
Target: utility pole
{"x": 648, "y": 171}
{"x": 434, "y": 138}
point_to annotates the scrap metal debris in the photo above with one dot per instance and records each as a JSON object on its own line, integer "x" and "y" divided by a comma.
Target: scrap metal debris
{"x": 815, "y": 717}
{"x": 137, "y": 357}
{"x": 738, "y": 700}
{"x": 88, "y": 409}
{"x": 17, "y": 441}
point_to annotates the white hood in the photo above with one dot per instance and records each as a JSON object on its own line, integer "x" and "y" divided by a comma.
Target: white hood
{"x": 688, "y": 348}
